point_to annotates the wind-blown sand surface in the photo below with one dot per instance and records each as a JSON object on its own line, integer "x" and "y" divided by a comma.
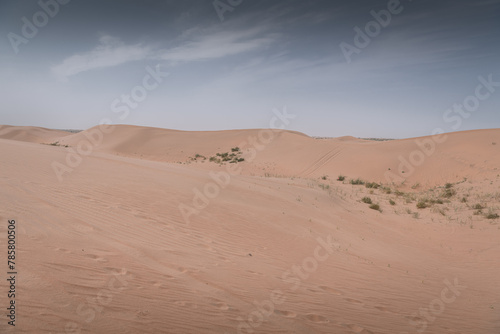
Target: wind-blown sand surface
{"x": 280, "y": 247}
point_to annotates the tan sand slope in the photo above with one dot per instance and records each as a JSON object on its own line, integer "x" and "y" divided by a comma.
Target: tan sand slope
{"x": 108, "y": 250}
{"x": 30, "y": 134}
{"x": 428, "y": 161}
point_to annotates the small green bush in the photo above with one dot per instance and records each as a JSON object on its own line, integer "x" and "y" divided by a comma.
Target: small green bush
{"x": 341, "y": 178}
{"x": 358, "y": 181}
{"x": 391, "y": 202}
{"x": 448, "y": 193}
{"x": 422, "y": 204}
{"x": 375, "y": 207}
{"x": 373, "y": 185}
{"x": 492, "y": 215}
{"x": 366, "y": 200}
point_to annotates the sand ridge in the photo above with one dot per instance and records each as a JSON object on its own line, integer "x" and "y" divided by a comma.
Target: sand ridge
{"x": 107, "y": 250}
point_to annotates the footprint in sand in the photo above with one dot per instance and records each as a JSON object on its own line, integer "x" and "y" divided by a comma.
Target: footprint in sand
{"x": 185, "y": 304}
{"x": 413, "y": 318}
{"x": 220, "y": 305}
{"x": 354, "y": 301}
{"x": 318, "y": 319}
{"x": 359, "y": 330}
{"x": 96, "y": 257}
{"x": 331, "y": 290}
{"x": 207, "y": 247}
{"x": 383, "y": 309}
{"x": 286, "y": 314}
{"x": 254, "y": 273}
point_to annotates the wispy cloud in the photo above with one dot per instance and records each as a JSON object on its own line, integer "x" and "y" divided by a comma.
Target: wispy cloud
{"x": 110, "y": 52}
{"x": 219, "y": 45}
{"x": 193, "y": 45}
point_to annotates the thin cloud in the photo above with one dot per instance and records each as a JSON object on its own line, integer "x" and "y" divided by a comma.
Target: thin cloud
{"x": 219, "y": 45}
{"x": 110, "y": 52}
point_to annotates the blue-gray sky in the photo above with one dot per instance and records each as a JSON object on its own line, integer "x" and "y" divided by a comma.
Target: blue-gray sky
{"x": 229, "y": 73}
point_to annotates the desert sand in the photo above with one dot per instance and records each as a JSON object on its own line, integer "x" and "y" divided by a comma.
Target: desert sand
{"x": 135, "y": 230}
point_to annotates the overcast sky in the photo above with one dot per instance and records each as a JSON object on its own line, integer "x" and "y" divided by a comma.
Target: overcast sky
{"x": 230, "y": 62}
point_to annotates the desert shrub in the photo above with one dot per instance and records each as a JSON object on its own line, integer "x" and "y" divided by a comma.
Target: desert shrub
{"x": 373, "y": 185}
{"x": 448, "y": 193}
{"x": 448, "y": 185}
{"x": 387, "y": 190}
{"x": 478, "y": 207}
{"x": 358, "y": 181}
{"x": 422, "y": 204}
{"x": 375, "y": 207}
{"x": 341, "y": 178}
{"x": 492, "y": 215}
{"x": 235, "y": 149}
{"x": 366, "y": 200}
{"x": 391, "y": 202}
{"x": 324, "y": 186}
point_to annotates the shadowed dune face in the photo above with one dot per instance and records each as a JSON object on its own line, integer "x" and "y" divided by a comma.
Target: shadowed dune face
{"x": 109, "y": 250}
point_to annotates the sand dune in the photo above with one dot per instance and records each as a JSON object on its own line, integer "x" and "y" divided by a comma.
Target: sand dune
{"x": 428, "y": 161}
{"x": 30, "y": 134}
{"x": 109, "y": 249}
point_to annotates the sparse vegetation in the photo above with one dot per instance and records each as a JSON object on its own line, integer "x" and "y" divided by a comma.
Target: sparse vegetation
{"x": 373, "y": 185}
{"x": 57, "y": 144}
{"x": 324, "y": 186}
{"x": 448, "y": 192}
{"x": 422, "y": 204}
{"x": 357, "y": 181}
{"x": 375, "y": 207}
{"x": 387, "y": 190}
{"x": 492, "y": 215}
{"x": 341, "y": 178}
{"x": 366, "y": 200}
{"x": 391, "y": 202}
{"x": 232, "y": 158}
